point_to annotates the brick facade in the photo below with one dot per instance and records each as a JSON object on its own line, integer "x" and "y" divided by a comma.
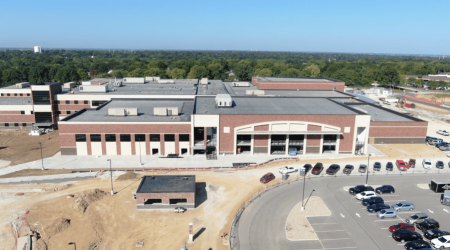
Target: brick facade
{"x": 313, "y": 140}
{"x": 13, "y": 118}
{"x": 398, "y": 129}
{"x": 261, "y": 140}
{"x": 303, "y": 85}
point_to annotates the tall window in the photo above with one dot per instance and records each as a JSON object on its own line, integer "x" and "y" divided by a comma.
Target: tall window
{"x": 169, "y": 137}
{"x": 80, "y": 137}
{"x": 41, "y": 97}
{"x": 184, "y": 137}
{"x": 139, "y": 137}
{"x": 154, "y": 137}
{"x": 125, "y": 137}
{"x": 96, "y": 138}
{"x": 110, "y": 137}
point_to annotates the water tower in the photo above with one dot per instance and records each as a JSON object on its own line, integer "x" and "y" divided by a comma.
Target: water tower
{"x": 37, "y": 49}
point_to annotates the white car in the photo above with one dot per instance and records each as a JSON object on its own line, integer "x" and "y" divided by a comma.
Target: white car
{"x": 441, "y": 242}
{"x": 443, "y": 132}
{"x": 365, "y": 195}
{"x": 448, "y": 155}
{"x": 288, "y": 169}
{"x": 426, "y": 163}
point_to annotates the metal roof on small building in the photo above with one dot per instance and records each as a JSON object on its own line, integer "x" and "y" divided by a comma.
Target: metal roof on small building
{"x": 167, "y": 184}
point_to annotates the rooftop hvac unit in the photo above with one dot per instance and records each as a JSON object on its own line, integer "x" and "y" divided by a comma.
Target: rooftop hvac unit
{"x": 94, "y": 88}
{"x": 123, "y": 111}
{"x": 165, "y": 111}
{"x": 254, "y": 92}
{"x": 204, "y": 81}
{"x": 224, "y": 100}
{"x": 22, "y": 85}
{"x": 134, "y": 80}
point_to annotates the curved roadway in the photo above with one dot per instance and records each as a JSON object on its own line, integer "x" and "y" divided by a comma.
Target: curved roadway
{"x": 262, "y": 224}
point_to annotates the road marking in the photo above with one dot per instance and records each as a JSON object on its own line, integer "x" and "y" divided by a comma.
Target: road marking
{"x": 358, "y": 215}
{"x": 431, "y": 211}
{"x": 445, "y": 210}
{"x": 385, "y": 228}
{"x": 340, "y": 247}
{"x": 343, "y": 216}
{"x": 388, "y": 220}
{"x": 394, "y": 200}
{"x": 329, "y": 231}
{"x": 336, "y": 239}
{"x": 371, "y": 214}
{"x": 323, "y": 223}
{"x": 408, "y": 212}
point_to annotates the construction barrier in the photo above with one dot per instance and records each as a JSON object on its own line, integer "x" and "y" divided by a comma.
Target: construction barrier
{"x": 422, "y": 100}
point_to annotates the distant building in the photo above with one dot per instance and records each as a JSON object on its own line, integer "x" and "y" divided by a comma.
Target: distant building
{"x": 37, "y": 49}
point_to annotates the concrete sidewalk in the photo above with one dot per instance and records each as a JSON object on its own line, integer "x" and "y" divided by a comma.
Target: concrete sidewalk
{"x": 49, "y": 178}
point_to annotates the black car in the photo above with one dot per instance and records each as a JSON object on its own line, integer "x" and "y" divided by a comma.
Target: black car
{"x": 307, "y": 167}
{"x": 377, "y": 207}
{"x": 417, "y": 244}
{"x": 440, "y": 164}
{"x": 376, "y": 166}
{"x": 348, "y": 169}
{"x": 389, "y": 166}
{"x": 406, "y": 235}
{"x": 333, "y": 169}
{"x": 435, "y": 233}
{"x": 428, "y": 224}
{"x": 372, "y": 200}
{"x": 385, "y": 189}
{"x": 360, "y": 188}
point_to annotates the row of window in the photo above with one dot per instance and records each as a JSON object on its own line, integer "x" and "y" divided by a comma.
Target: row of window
{"x": 65, "y": 112}
{"x": 15, "y": 94}
{"x": 15, "y": 124}
{"x": 74, "y": 102}
{"x": 127, "y": 137}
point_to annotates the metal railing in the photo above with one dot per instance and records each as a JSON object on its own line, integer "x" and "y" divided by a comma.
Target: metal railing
{"x": 243, "y": 142}
{"x": 278, "y": 142}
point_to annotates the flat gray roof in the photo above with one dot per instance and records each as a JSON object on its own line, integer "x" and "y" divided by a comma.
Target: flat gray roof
{"x": 178, "y": 88}
{"x": 15, "y": 101}
{"x": 213, "y": 88}
{"x": 145, "y": 111}
{"x": 297, "y": 79}
{"x": 273, "y": 106}
{"x": 378, "y": 114}
{"x": 167, "y": 184}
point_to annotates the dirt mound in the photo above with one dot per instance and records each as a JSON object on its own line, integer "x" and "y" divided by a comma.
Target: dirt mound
{"x": 57, "y": 226}
{"x": 40, "y": 245}
{"x": 129, "y": 175}
{"x": 88, "y": 198}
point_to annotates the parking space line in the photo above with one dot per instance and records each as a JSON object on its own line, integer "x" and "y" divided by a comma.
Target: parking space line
{"x": 389, "y": 220}
{"x": 385, "y": 228}
{"x": 394, "y": 200}
{"x": 340, "y": 248}
{"x": 329, "y": 231}
{"x": 322, "y": 223}
{"x": 337, "y": 239}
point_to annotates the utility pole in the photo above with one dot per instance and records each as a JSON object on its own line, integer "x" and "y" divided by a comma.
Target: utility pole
{"x": 42, "y": 158}
{"x": 110, "y": 171}
{"x": 367, "y": 172}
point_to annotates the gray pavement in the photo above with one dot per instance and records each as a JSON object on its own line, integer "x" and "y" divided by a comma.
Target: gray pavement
{"x": 56, "y": 178}
{"x": 262, "y": 224}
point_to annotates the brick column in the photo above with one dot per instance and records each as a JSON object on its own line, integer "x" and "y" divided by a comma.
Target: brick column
{"x": 88, "y": 144}
{"x": 162, "y": 145}
{"x": 103, "y": 144}
{"x": 204, "y": 135}
{"x": 177, "y": 144}
{"x": 190, "y": 146}
{"x": 119, "y": 149}
{"x": 133, "y": 145}
{"x": 147, "y": 144}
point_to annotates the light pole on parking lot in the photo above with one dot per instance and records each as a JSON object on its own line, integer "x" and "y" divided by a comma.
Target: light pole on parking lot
{"x": 367, "y": 172}
{"x": 110, "y": 172}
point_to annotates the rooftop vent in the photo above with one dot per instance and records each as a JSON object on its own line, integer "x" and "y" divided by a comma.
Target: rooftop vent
{"x": 204, "y": 81}
{"x": 224, "y": 100}
{"x": 122, "y": 111}
{"x": 165, "y": 111}
{"x": 93, "y": 88}
{"x": 254, "y": 92}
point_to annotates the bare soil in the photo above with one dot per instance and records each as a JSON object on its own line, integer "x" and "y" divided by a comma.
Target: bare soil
{"x": 404, "y": 151}
{"x": 18, "y": 147}
{"x": 36, "y": 172}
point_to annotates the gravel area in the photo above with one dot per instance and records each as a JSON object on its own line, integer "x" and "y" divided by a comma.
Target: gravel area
{"x": 297, "y": 224}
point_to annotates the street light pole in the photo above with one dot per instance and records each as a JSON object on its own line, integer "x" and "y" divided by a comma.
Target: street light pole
{"x": 110, "y": 171}
{"x": 42, "y": 158}
{"x": 304, "y": 183}
{"x": 367, "y": 172}
{"x": 74, "y": 245}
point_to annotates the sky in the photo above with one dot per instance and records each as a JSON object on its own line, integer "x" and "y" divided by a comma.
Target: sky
{"x": 399, "y": 27}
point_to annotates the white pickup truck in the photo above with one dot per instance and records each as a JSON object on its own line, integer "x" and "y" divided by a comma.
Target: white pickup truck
{"x": 389, "y": 101}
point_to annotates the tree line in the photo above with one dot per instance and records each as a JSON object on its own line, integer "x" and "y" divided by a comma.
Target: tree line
{"x": 74, "y": 65}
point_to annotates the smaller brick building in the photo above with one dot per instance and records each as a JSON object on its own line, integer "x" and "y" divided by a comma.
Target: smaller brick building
{"x": 166, "y": 192}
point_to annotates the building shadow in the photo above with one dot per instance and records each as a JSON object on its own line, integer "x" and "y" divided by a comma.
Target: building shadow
{"x": 3, "y": 147}
{"x": 202, "y": 195}
{"x": 199, "y": 233}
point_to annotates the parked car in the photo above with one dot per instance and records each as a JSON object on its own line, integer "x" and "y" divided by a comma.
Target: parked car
{"x": 448, "y": 155}
{"x": 416, "y": 218}
{"x": 401, "y": 165}
{"x": 426, "y": 163}
{"x": 377, "y": 207}
{"x": 267, "y": 177}
{"x": 401, "y": 226}
{"x": 427, "y": 224}
{"x": 406, "y": 235}
{"x": 372, "y": 200}
{"x": 434, "y": 141}
{"x": 360, "y": 188}
{"x": 435, "y": 233}
{"x": 442, "y": 144}
{"x": 376, "y": 166}
{"x": 288, "y": 169}
{"x": 307, "y": 167}
{"x": 443, "y": 132}
{"x": 412, "y": 163}
{"x": 365, "y": 195}
{"x": 417, "y": 244}
{"x": 430, "y": 138}
{"x": 389, "y": 166}
{"x": 317, "y": 169}
{"x": 363, "y": 168}
{"x": 385, "y": 189}
{"x": 445, "y": 198}
{"x": 441, "y": 242}
{"x": 333, "y": 169}
{"x": 445, "y": 147}
{"x": 387, "y": 213}
{"x": 403, "y": 206}
{"x": 440, "y": 164}
{"x": 348, "y": 169}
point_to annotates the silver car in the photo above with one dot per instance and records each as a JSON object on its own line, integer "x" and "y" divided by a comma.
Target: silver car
{"x": 387, "y": 213}
{"x": 416, "y": 218}
{"x": 403, "y": 206}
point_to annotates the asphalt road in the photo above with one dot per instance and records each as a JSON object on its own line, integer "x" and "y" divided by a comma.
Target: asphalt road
{"x": 262, "y": 224}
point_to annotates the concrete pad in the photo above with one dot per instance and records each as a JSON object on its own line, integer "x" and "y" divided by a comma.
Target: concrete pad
{"x": 337, "y": 234}
{"x": 326, "y": 227}
{"x": 4, "y": 163}
{"x": 321, "y": 220}
{"x": 49, "y": 178}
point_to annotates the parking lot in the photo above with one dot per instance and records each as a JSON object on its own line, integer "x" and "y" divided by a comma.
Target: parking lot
{"x": 407, "y": 189}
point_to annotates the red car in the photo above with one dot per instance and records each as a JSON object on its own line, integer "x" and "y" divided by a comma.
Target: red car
{"x": 401, "y": 226}
{"x": 317, "y": 169}
{"x": 401, "y": 165}
{"x": 267, "y": 177}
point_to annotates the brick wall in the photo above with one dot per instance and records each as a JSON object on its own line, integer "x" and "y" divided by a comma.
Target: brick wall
{"x": 314, "y": 128}
{"x": 232, "y": 121}
{"x": 313, "y": 140}
{"x": 398, "y": 129}
{"x": 261, "y": 140}
{"x": 304, "y": 85}
{"x": 262, "y": 128}
{"x": 124, "y": 128}
{"x": 16, "y": 118}
{"x": 165, "y": 197}
{"x": 16, "y": 112}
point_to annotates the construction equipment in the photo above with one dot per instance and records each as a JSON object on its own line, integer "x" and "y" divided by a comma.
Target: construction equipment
{"x": 401, "y": 103}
